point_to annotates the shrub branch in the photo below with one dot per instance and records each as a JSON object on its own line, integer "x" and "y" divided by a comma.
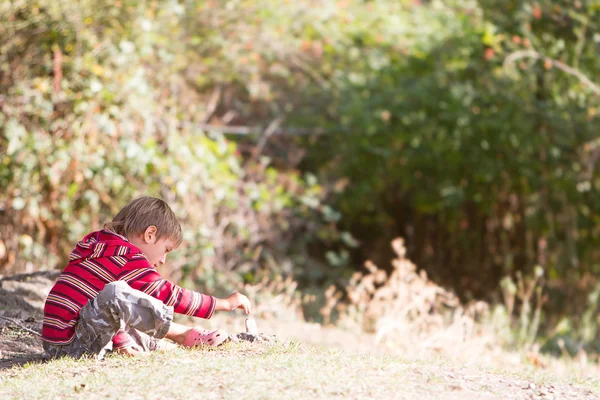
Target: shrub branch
{"x": 517, "y": 55}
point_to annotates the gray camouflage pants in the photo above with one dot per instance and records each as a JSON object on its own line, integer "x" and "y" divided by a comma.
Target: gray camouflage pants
{"x": 117, "y": 306}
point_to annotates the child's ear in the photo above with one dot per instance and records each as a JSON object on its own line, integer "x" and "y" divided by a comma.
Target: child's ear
{"x": 150, "y": 234}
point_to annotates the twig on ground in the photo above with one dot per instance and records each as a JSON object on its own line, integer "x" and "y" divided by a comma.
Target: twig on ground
{"x": 20, "y": 325}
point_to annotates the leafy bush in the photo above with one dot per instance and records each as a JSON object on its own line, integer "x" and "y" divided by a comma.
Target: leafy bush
{"x": 467, "y": 127}
{"x": 94, "y": 111}
{"x": 459, "y": 125}
{"x": 470, "y": 133}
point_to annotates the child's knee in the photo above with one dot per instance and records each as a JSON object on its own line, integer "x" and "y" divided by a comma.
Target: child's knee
{"x": 120, "y": 286}
{"x": 111, "y": 292}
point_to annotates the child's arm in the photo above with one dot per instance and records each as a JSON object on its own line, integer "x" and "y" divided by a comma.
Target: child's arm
{"x": 143, "y": 277}
{"x": 184, "y": 301}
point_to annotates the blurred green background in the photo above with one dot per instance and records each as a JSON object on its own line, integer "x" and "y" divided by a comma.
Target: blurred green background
{"x": 298, "y": 138}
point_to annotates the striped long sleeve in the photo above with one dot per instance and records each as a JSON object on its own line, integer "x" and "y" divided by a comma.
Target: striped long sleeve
{"x": 143, "y": 277}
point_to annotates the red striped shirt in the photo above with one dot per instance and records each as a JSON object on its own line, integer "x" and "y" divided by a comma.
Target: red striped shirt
{"x": 100, "y": 258}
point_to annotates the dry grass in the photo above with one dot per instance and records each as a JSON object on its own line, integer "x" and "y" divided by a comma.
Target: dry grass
{"x": 275, "y": 298}
{"x": 286, "y": 370}
{"x": 407, "y": 310}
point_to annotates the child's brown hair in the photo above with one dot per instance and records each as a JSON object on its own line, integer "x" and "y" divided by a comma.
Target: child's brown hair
{"x": 142, "y": 212}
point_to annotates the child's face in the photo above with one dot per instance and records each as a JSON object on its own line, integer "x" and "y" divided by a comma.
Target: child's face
{"x": 155, "y": 249}
{"x": 156, "y": 252}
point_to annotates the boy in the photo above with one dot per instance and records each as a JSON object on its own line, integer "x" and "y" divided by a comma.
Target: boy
{"x": 110, "y": 295}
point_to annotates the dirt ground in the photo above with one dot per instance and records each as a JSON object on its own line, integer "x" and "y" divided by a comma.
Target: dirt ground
{"x": 21, "y": 303}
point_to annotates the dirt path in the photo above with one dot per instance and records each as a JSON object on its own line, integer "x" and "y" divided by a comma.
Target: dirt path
{"x": 441, "y": 378}
{"x": 21, "y": 300}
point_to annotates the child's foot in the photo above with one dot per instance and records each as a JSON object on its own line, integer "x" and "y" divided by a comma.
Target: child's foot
{"x": 163, "y": 345}
{"x": 198, "y": 336}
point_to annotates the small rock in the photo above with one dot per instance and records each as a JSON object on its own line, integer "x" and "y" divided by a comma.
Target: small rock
{"x": 251, "y": 326}
{"x": 259, "y": 338}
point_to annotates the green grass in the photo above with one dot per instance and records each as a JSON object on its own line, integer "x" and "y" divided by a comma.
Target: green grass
{"x": 233, "y": 371}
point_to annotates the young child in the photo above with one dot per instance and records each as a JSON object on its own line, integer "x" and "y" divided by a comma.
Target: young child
{"x": 110, "y": 296}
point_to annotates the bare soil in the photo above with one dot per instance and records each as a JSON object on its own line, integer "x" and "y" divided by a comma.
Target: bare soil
{"x": 21, "y": 313}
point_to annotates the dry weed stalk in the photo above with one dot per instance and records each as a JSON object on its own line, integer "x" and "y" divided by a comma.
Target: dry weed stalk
{"x": 404, "y": 308}
{"x": 332, "y": 296}
{"x": 275, "y": 298}
{"x": 528, "y": 290}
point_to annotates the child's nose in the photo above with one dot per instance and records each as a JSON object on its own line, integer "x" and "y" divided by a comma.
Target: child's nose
{"x": 163, "y": 259}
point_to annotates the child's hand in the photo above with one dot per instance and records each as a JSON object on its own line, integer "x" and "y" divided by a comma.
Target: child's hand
{"x": 236, "y": 300}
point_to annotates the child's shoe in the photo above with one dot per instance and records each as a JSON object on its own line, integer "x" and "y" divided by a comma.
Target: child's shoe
{"x": 198, "y": 336}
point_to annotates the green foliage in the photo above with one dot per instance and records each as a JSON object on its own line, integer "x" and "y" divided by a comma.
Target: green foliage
{"x": 95, "y": 110}
{"x": 466, "y": 127}
{"x": 481, "y": 154}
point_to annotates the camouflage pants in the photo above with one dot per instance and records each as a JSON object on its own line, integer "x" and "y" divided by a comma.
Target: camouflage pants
{"x": 116, "y": 307}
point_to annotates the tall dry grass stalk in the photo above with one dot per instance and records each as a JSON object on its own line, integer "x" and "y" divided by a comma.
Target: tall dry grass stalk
{"x": 406, "y": 309}
{"x": 276, "y": 298}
